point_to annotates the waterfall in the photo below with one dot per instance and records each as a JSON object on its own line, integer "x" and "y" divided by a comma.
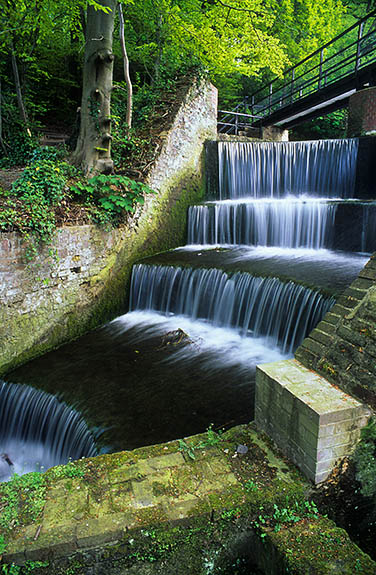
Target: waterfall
{"x": 324, "y": 168}
{"x": 37, "y": 431}
{"x": 283, "y": 312}
{"x": 282, "y": 223}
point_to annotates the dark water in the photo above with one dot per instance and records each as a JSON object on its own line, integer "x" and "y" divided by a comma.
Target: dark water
{"x": 144, "y": 386}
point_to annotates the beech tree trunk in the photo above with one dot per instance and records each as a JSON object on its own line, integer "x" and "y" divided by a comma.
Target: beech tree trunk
{"x": 17, "y": 83}
{"x": 126, "y": 68}
{"x": 93, "y": 150}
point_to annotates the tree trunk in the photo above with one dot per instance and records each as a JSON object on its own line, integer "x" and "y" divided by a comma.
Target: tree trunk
{"x": 93, "y": 150}
{"x": 2, "y": 145}
{"x": 17, "y": 84}
{"x": 126, "y": 69}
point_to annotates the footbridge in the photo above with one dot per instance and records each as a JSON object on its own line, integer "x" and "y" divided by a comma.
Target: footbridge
{"x": 320, "y": 83}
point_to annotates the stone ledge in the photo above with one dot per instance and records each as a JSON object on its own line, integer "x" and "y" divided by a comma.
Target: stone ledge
{"x": 313, "y": 422}
{"x": 156, "y": 508}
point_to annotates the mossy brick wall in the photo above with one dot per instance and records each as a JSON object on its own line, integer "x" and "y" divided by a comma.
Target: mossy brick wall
{"x": 80, "y": 280}
{"x": 342, "y": 347}
{"x": 362, "y": 113}
{"x": 158, "y": 511}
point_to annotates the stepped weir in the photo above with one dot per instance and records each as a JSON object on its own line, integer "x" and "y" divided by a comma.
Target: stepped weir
{"x": 264, "y": 262}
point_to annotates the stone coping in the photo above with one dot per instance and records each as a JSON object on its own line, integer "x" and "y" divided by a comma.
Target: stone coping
{"x": 312, "y": 389}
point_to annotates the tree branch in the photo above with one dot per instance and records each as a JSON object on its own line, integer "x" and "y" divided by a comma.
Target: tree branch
{"x": 236, "y": 8}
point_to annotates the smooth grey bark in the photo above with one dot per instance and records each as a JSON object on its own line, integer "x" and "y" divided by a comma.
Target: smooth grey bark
{"x": 17, "y": 83}
{"x": 126, "y": 68}
{"x": 2, "y": 144}
{"x": 93, "y": 150}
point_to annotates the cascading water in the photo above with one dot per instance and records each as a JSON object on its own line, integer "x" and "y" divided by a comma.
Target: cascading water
{"x": 202, "y": 317}
{"x": 284, "y": 313}
{"x": 282, "y": 223}
{"x": 37, "y": 431}
{"x": 322, "y": 168}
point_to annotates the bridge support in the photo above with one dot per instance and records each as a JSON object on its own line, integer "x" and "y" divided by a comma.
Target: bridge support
{"x": 362, "y": 113}
{"x": 274, "y": 134}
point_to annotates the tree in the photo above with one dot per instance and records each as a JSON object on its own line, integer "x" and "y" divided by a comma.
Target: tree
{"x": 93, "y": 150}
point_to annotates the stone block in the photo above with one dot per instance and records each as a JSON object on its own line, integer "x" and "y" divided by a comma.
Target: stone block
{"x": 313, "y": 422}
{"x": 98, "y": 532}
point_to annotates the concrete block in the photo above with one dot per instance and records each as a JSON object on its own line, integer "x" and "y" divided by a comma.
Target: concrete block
{"x": 313, "y": 422}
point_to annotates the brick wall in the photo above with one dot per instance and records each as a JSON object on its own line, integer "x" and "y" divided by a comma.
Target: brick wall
{"x": 362, "y": 113}
{"x": 342, "y": 347}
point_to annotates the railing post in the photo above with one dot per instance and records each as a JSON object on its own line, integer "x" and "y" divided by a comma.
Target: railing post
{"x": 270, "y": 96}
{"x": 360, "y": 34}
{"x": 292, "y": 85}
{"x": 320, "y": 69}
{"x": 236, "y": 124}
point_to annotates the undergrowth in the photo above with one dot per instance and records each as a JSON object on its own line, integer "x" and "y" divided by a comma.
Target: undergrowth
{"x": 47, "y": 183}
{"x": 365, "y": 459}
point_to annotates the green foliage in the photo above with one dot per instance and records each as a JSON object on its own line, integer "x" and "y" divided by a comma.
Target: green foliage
{"x": 70, "y": 470}
{"x": 212, "y": 439}
{"x": 20, "y": 150}
{"x": 26, "y": 569}
{"x": 28, "y": 207}
{"x": 3, "y": 545}
{"x": 333, "y": 125}
{"x": 365, "y": 459}
{"x": 42, "y": 182}
{"x": 250, "y": 486}
{"x": 113, "y": 195}
{"x": 281, "y": 516}
{"x": 33, "y": 488}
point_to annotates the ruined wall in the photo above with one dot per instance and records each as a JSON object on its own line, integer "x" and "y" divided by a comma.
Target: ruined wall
{"x": 80, "y": 280}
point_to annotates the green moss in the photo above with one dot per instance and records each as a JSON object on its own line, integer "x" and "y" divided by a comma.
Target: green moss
{"x": 320, "y": 543}
{"x": 160, "y": 227}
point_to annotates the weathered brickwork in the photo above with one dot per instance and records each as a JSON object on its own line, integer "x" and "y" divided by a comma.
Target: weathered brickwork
{"x": 156, "y": 510}
{"x": 80, "y": 280}
{"x": 362, "y": 113}
{"x": 342, "y": 347}
{"x": 313, "y": 422}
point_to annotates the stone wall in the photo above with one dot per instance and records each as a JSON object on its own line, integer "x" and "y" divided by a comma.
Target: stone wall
{"x": 342, "y": 347}
{"x": 80, "y": 280}
{"x": 198, "y": 507}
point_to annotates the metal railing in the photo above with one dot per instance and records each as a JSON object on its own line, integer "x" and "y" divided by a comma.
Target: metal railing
{"x": 233, "y": 121}
{"x": 345, "y": 56}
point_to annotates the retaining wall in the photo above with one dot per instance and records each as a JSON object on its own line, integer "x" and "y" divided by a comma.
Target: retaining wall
{"x": 80, "y": 280}
{"x": 342, "y": 347}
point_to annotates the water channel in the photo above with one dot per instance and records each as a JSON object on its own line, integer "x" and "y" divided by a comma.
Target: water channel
{"x": 264, "y": 262}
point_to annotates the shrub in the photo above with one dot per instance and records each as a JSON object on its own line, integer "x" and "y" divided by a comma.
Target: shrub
{"x": 365, "y": 459}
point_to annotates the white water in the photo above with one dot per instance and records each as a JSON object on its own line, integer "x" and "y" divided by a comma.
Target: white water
{"x": 282, "y": 312}
{"x": 288, "y": 223}
{"x": 324, "y": 168}
{"x": 37, "y": 431}
{"x": 219, "y": 346}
